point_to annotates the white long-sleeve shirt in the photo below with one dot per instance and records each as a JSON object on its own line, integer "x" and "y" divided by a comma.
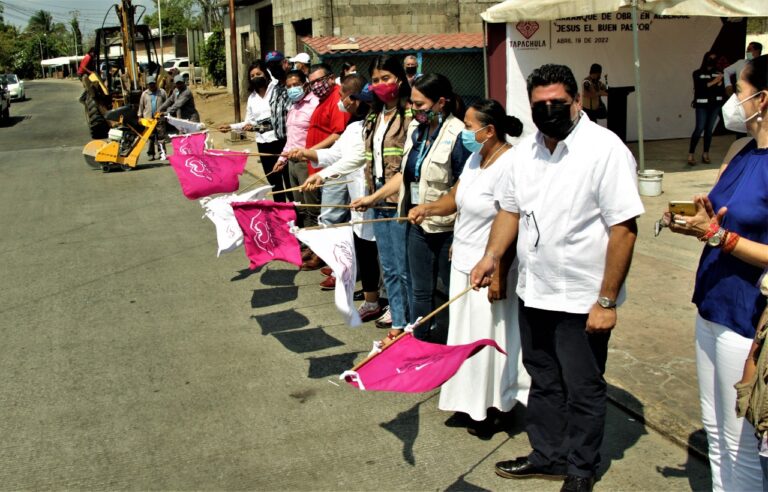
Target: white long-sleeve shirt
{"x": 346, "y": 157}
{"x": 257, "y": 109}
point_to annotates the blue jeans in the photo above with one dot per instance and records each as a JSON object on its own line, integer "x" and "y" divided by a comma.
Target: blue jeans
{"x": 428, "y": 261}
{"x": 334, "y": 194}
{"x": 390, "y": 240}
{"x": 764, "y": 466}
{"x": 706, "y": 118}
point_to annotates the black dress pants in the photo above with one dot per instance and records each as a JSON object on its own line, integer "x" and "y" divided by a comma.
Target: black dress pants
{"x": 567, "y": 401}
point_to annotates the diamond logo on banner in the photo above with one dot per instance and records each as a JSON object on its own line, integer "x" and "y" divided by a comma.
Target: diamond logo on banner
{"x": 527, "y": 29}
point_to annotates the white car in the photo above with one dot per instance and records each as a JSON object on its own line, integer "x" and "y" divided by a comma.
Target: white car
{"x": 15, "y": 87}
{"x": 182, "y": 65}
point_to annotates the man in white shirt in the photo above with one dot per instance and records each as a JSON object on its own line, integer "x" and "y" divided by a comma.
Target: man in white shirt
{"x": 571, "y": 193}
{"x": 731, "y": 73}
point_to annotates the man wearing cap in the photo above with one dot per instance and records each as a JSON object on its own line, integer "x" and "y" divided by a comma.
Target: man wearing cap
{"x": 151, "y": 100}
{"x": 181, "y": 103}
{"x": 301, "y": 62}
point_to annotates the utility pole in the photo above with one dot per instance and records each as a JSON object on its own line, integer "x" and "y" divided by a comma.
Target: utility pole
{"x": 160, "y": 27}
{"x": 233, "y": 53}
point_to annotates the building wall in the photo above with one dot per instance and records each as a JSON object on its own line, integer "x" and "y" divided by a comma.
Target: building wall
{"x": 359, "y": 17}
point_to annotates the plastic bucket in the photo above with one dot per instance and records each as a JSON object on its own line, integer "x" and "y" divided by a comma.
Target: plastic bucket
{"x": 649, "y": 182}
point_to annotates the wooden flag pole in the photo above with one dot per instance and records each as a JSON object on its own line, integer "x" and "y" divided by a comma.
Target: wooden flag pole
{"x": 421, "y": 321}
{"x": 336, "y": 205}
{"x": 353, "y": 222}
{"x": 297, "y": 188}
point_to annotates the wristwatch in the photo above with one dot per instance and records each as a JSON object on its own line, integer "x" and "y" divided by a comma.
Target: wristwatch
{"x": 606, "y": 302}
{"x": 716, "y": 238}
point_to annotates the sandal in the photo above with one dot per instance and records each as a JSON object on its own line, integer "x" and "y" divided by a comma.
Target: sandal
{"x": 391, "y": 336}
{"x": 691, "y": 160}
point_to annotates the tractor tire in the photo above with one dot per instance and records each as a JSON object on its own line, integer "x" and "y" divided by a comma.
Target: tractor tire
{"x": 96, "y": 122}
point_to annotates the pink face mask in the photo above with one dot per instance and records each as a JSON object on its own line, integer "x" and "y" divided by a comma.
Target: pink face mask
{"x": 386, "y": 92}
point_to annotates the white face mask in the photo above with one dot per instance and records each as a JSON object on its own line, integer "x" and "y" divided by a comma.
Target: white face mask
{"x": 342, "y": 108}
{"x": 734, "y": 117}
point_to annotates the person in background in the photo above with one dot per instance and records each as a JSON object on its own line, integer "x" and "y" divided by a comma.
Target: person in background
{"x": 258, "y": 118}
{"x": 489, "y": 384}
{"x": 411, "y": 65}
{"x": 731, "y": 72}
{"x": 386, "y": 128}
{"x": 347, "y": 68}
{"x": 278, "y": 105}
{"x": 181, "y": 102}
{"x": 325, "y": 127}
{"x": 593, "y": 91}
{"x": 149, "y": 103}
{"x": 572, "y": 195}
{"x": 165, "y": 80}
{"x": 707, "y": 99}
{"x": 87, "y": 64}
{"x": 301, "y": 62}
{"x": 304, "y": 103}
{"x": 731, "y": 222}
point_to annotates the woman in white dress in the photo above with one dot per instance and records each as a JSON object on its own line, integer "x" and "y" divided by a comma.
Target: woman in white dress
{"x": 489, "y": 384}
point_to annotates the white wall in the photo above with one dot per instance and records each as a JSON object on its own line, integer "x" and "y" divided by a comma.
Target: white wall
{"x": 670, "y": 50}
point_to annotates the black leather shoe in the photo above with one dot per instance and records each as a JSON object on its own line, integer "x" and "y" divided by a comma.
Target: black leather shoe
{"x": 522, "y": 468}
{"x": 578, "y": 484}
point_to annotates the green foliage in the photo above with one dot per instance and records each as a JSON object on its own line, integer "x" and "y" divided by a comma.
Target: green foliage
{"x": 214, "y": 56}
{"x": 177, "y": 17}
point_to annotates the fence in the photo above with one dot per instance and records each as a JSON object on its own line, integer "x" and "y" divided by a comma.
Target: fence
{"x": 464, "y": 69}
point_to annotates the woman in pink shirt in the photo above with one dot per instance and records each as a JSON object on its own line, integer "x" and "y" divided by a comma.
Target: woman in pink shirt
{"x": 297, "y": 125}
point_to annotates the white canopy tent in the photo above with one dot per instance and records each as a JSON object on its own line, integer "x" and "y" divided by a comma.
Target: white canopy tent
{"x": 543, "y": 10}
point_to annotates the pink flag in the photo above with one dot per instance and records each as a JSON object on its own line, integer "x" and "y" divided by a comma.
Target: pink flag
{"x": 205, "y": 174}
{"x": 266, "y": 232}
{"x": 409, "y": 365}
{"x": 192, "y": 144}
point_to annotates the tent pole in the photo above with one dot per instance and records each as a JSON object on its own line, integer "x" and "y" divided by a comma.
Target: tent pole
{"x": 638, "y": 92}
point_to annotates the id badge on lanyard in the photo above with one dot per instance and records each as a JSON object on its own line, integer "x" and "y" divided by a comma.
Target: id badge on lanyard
{"x": 415, "y": 193}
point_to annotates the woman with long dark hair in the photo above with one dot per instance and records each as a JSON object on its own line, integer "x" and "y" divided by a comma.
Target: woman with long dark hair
{"x": 384, "y": 132}
{"x": 708, "y": 94}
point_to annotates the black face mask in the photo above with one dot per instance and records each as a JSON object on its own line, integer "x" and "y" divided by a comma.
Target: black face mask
{"x": 257, "y": 83}
{"x": 410, "y": 70}
{"x": 553, "y": 120}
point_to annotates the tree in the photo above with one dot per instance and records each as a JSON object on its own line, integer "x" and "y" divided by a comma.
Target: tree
{"x": 211, "y": 16}
{"x": 177, "y": 17}
{"x": 41, "y": 22}
{"x": 214, "y": 57}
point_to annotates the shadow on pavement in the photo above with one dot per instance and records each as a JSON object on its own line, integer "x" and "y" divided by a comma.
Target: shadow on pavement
{"x": 302, "y": 341}
{"x": 14, "y": 120}
{"x": 273, "y": 296}
{"x": 615, "y": 443}
{"x": 244, "y": 274}
{"x": 405, "y": 426}
{"x": 279, "y": 277}
{"x": 695, "y": 481}
{"x": 280, "y": 321}
{"x": 331, "y": 365}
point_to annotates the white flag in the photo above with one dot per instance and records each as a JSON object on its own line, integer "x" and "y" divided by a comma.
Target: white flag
{"x": 185, "y": 126}
{"x": 336, "y": 246}
{"x": 219, "y": 210}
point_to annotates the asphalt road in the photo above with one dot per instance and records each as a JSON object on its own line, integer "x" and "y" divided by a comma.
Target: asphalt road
{"x": 133, "y": 358}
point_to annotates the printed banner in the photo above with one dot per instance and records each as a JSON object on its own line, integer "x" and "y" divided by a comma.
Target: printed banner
{"x": 336, "y": 247}
{"x": 205, "y": 174}
{"x": 409, "y": 365}
{"x": 219, "y": 210}
{"x": 266, "y": 232}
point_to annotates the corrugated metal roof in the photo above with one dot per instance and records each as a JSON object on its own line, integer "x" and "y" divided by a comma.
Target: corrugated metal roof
{"x": 325, "y": 45}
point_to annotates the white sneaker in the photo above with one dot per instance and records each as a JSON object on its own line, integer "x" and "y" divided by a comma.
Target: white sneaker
{"x": 385, "y": 320}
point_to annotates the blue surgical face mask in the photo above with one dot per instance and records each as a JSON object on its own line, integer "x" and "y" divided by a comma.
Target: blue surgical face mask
{"x": 469, "y": 140}
{"x": 295, "y": 93}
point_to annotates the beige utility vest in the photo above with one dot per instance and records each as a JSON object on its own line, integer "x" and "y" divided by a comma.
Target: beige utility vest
{"x": 436, "y": 175}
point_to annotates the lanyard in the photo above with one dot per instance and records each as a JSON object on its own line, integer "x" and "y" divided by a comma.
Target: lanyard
{"x": 424, "y": 150}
